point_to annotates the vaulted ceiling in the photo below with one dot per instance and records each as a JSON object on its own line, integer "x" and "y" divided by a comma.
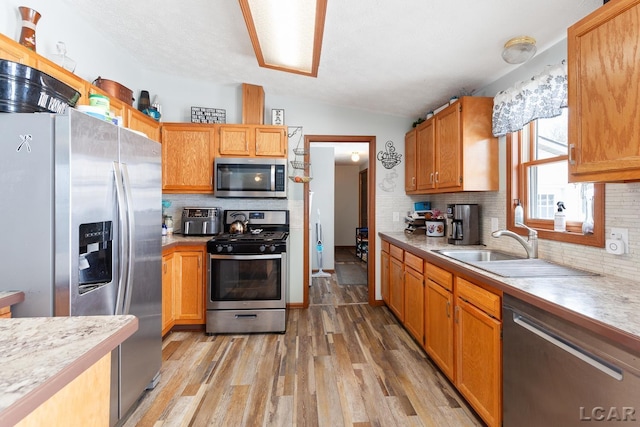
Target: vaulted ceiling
{"x": 399, "y": 57}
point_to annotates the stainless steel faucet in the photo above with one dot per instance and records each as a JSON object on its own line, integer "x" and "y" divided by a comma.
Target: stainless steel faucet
{"x": 531, "y": 246}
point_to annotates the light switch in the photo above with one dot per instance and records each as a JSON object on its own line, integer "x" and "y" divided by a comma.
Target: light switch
{"x": 494, "y": 224}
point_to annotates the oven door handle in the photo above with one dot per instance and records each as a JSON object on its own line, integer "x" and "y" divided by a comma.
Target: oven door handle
{"x": 245, "y": 257}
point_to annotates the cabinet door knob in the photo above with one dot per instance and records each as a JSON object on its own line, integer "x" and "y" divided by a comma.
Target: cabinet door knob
{"x": 448, "y": 306}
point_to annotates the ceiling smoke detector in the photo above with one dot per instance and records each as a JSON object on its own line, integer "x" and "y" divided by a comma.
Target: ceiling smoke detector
{"x": 519, "y": 50}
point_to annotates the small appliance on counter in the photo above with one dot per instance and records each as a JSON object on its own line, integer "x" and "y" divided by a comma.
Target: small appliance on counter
{"x": 463, "y": 224}
{"x": 415, "y": 223}
{"x": 201, "y": 221}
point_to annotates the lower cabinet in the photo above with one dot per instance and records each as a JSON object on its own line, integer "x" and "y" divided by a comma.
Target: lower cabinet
{"x": 414, "y": 296}
{"x": 479, "y": 349}
{"x": 396, "y": 282}
{"x": 439, "y": 318}
{"x": 458, "y": 323}
{"x": 384, "y": 272}
{"x": 168, "y": 312}
{"x": 183, "y": 286}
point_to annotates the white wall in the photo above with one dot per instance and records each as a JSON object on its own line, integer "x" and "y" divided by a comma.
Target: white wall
{"x": 346, "y": 196}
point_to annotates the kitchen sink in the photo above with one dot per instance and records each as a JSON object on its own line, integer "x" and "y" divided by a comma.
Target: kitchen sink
{"x": 477, "y": 255}
{"x": 507, "y": 265}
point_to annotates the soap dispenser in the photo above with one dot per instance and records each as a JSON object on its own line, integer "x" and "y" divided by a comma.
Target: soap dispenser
{"x": 519, "y": 213}
{"x": 560, "y": 221}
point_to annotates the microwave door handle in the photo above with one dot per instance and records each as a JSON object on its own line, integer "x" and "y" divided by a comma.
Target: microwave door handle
{"x": 273, "y": 178}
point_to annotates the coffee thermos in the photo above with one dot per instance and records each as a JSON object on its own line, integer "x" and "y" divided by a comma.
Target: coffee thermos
{"x": 463, "y": 224}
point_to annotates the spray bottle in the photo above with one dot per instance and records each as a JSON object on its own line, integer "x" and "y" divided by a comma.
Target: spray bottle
{"x": 519, "y": 213}
{"x": 560, "y": 221}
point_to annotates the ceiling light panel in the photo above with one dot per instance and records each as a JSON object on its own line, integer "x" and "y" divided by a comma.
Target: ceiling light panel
{"x": 286, "y": 34}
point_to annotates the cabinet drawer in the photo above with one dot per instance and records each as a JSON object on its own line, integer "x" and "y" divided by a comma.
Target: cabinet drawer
{"x": 385, "y": 246}
{"x": 414, "y": 262}
{"x": 396, "y": 252}
{"x": 480, "y": 297}
{"x": 440, "y": 276}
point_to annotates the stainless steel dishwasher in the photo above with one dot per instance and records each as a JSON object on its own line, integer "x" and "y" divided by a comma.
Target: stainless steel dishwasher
{"x": 556, "y": 373}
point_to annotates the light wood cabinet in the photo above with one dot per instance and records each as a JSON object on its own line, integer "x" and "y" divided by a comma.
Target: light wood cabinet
{"x": 142, "y": 123}
{"x": 396, "y": 282}
{"x": 414, "y": 296}
{"x": 410, "y": 179}
{"x": 455, "y": 149}
{"x": 384, "y": 272}
{"x": 15, "y": 52}
{"x": 183, "y": 286}
{"x": 5, "y": 312}
{"x": 65, "y": 77}
{"x": 479, "y": 350}
{"x": 168, "y": 312}
{"x": 252, "y": 141}
{"x": 604, "y": 87}
{"x": 189, "y": 287}
{"x": 187, "y": 158}
{"x": 439, "y": 308}
{"x": 459, "y": 324}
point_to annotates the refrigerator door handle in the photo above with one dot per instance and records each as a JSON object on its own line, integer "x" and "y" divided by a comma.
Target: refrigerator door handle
{"x": 123, "y": 238}
{"x": 130, "y": 240}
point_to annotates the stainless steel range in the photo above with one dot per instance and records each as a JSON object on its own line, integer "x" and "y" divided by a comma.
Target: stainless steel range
{"x": 248, "y": 273}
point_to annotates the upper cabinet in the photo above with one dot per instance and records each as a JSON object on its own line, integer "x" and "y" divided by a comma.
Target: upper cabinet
{"x": 252, "y": 141}
{"x": 187, "y": 157}
{"x": 604, "y": 94}
{"x": 15, "y": 52}
{"x": 455, "y": 150}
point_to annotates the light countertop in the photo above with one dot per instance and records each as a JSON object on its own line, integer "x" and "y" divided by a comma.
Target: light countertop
{"x": 180, "y": 239}
{"x": 41, "y": 355}
{"x": 8, "y": 298}
{"x": 607, "y": 305}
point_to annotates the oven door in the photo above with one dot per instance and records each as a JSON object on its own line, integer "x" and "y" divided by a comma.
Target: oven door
{"x": 239, "y": 282}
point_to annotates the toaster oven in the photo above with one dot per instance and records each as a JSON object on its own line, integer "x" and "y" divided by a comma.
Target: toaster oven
{"x": 201, "y": 221}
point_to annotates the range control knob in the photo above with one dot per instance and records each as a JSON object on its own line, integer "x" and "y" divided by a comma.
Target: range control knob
{"x": 229, "y": 248}
{"x": 262, "y": 248}
{"x": 219, "y": 248}
{"x": 272, "y": 248}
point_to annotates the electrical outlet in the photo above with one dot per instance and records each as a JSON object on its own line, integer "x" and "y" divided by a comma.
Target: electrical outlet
{"x": 621, "y": 234}
{"x": 494, "y": 225}
{"x": 396, "y": 216}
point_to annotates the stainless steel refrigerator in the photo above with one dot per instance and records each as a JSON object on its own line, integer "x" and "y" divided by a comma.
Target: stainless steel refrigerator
{"x": 81, "y": 218}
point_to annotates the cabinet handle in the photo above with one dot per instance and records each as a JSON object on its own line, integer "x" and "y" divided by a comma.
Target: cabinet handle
{"x": 431, "y": 178}
{"x": 448, "y": 306}
{"x": 164, "y": 267}
{"x": 572, "y": 149}
{"x": 199, "y": 262}
{"x": 437, "y": 177}
{"x": 413, "y": 180}
{"x": 457, "y": 314}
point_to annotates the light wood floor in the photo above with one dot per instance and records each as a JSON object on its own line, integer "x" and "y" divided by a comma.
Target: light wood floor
{"x": 339, "y": 363}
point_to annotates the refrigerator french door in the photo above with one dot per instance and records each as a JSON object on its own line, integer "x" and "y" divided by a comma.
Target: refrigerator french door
{"x": 82, "y": 214}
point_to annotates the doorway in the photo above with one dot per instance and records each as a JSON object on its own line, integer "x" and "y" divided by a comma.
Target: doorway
{"x": 370, "y": 209}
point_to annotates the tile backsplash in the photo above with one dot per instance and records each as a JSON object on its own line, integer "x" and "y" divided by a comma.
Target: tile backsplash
{"x": 622, "y": 205}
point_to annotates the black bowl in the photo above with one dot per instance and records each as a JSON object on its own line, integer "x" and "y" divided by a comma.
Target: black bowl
{"x": 24, "y": 89}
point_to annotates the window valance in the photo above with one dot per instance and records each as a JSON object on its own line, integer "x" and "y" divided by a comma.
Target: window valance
{"x": 543, "y": 96}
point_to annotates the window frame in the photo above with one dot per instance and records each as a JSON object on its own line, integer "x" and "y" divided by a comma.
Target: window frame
{"x": 516, "y": 190}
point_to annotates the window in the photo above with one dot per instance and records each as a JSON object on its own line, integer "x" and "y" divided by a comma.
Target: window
{"x": 538, "y": 179}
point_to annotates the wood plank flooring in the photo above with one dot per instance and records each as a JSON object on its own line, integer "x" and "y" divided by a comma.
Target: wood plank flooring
{"x": 340, "y": 362}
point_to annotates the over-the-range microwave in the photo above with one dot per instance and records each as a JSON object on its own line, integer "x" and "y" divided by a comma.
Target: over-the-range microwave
{"x": 250, "y": 177}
